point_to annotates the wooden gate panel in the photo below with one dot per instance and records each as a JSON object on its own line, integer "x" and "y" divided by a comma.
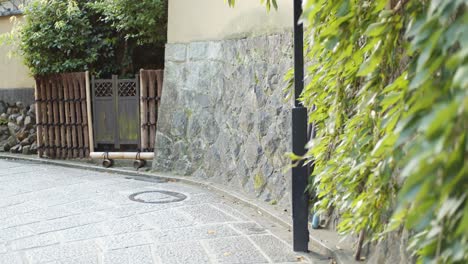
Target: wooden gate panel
{"x": 103, "y": 111}
{"x": 116, "y": 112}
{"x": 128, "y": 118}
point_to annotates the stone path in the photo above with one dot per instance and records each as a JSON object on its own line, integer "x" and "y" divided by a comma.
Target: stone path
{"x": 58, "y": 215}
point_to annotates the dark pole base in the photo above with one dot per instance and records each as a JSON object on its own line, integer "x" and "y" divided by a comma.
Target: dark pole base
{"x": 300, "y": 198}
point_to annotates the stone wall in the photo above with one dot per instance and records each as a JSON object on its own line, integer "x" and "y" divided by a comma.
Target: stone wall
{"x": 18, "y": 128}
{"x": 223, "y": 116}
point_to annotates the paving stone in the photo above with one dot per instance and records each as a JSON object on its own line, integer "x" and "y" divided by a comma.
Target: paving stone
{"x": 124, "y": 241}
{"x": 126, "y": 225}
{"x": 34, "y": 241}
{"x": 167, "y": 219}
{"x": 84, "y": 206}
{"x": 235, "y": 250}
{"x": 250, "y": 228}
{"x": 182, "y": 253}
{"x": 49, "y": 226}
{"x": 10, "y": 258}
{"x": 14, "y": 233}
{"x": 194, "y": 233}
{"x": 16, "y": 209}
{"x": 66, "y": 223}
{"x": 206, "y": 214}
{"x": 133, "y": 255}
{"x": 277, "y": 250}
{"x": 61, "y": 252}
{"x": 79, "y": 260}
{"x": 83, "y": 232}
{"x": 230, "y": 211}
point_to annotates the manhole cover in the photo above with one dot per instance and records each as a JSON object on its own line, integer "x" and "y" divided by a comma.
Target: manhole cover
{"x": 157, "y": 197}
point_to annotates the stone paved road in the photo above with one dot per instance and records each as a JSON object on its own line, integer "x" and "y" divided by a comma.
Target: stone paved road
{"x": 58, "y": 215}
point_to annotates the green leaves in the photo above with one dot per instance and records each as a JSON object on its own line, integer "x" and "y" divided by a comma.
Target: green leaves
{"x": 98, "y": 35}
{"x": 391, "y": 112}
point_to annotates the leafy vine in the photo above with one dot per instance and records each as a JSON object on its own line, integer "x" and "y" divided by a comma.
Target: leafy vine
{"x": 389, "y": 83}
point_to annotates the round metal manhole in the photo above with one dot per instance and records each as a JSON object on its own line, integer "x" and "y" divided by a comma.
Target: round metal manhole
{"x": 157, "y": 197}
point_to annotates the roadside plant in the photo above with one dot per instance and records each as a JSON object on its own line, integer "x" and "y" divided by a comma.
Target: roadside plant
{"x": 389, "y": 83}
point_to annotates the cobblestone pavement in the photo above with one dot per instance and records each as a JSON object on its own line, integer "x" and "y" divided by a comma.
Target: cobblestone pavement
{"x": 58, "y": 215}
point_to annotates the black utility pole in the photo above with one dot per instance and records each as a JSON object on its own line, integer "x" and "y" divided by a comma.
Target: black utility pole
{"x": 300, "y": 199}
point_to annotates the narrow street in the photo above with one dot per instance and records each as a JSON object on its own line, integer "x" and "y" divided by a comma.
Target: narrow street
{"x": 52, "y": 214}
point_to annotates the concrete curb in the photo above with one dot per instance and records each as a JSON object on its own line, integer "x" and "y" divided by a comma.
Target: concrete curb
{"x": 339, "y": 257}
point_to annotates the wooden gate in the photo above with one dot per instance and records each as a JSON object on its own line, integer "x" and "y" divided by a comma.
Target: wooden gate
{"x": 116, "y": 113}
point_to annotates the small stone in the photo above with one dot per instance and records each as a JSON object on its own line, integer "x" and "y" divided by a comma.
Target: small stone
{"x": 13, "y": 128}
{"x": 29, "y": 122}
{"x": 20, "y": 105}
{"x": 26, "y": 150}
{"x": 22, "y": 135}
{"x": 16, "y": 149}
{"x": 13, "y": 117}
{"x": 10, "y": 142}
{"x": 32, "y": 137}
{"x": 33, "y": 149}
{"x": 4, "y": 130}
{"x": 20, "y": 120}
{"x": 25, "y": 142}
{"x": 3, "y": 107}
{"x": 4, "y": 116}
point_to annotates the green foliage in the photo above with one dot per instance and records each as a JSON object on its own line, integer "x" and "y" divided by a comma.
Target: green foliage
{"x": 56, "y": 37}
{"x": 98, "y": 35}
{"x": 389, "y": 81}
{"x": 143, "y": 21}
{"x": 267, "y": 3}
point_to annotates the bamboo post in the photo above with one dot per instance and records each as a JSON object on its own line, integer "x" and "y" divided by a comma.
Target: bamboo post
{"x": 45, "y": 132}
{"x": 78, "y": 124}
{"x": 37, "y": 95}
{"x": 152, "y": 108}
{"x": 144, "y": 109}
{"x": 84, "y": 114}
{"x": 56, "y": 119}
{"x": 66, "y": 94}
{"x": 63, "y": 140}
{"x": 89, "y": 113}
{"x": 73, "y": 116}
{"x": 50, "y": 117}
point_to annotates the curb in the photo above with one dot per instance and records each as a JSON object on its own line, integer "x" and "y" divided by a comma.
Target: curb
{"x": 339, "y": 257}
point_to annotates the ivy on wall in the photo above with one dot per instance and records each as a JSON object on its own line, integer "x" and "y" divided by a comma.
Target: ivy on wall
{"x": 389, "y": 82}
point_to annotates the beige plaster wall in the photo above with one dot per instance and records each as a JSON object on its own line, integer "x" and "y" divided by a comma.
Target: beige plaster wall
{"x": 13, "y": 74}
{"x": 197, "y": 20}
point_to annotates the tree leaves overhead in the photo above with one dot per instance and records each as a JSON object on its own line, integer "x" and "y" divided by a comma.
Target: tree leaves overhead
{"x": 97, "y": 35}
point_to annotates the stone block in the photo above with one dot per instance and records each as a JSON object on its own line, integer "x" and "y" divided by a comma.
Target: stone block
{"x": 176, "y": 52}
{"x": 182, "y": 253}
{"x": 132, "y": 255}
{"x": 275, "y": 249}
{"x": 235, "y": 250}
{"x": 194, "y": 233}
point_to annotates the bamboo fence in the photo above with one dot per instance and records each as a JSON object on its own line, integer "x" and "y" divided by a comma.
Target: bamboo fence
{"x": 62, "y": 116}
{"x": 151, "y": 82}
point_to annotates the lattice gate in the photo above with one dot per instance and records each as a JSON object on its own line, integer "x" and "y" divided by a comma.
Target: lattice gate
{"x": 116, "y": 113}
